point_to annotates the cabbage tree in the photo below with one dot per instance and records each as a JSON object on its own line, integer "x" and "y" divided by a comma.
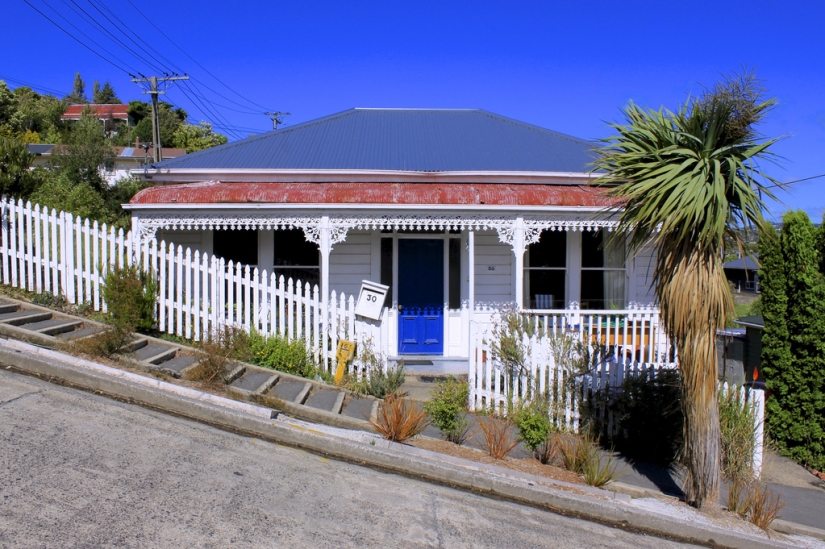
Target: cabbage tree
{"x": 688, "y": 179}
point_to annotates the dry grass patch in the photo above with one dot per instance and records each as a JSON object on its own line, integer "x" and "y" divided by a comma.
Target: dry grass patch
{"x": 498, "y": 437}
{"x": 399, "y": 419}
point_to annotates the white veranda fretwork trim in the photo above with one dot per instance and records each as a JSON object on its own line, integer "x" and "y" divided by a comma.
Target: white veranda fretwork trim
{"x": 505, "y": 226}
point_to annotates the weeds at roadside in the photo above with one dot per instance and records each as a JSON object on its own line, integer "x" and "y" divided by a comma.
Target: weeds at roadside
{"x": 581, "y": 455}
{"x": 215, "y": 356}
{"x": 399, "y": 419}
{"x": 754, "y": 502}
{"x": 498, "y": 437}
{"x": 111, "y": 341}
{"x": 269, "y": 401}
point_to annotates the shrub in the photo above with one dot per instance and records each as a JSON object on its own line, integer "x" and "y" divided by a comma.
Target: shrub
{"x": 399, "y": 419}
{"x": 279, "y": 353}
{"x": 380, "y": 384}
{"x": 534, "y": 426}
{"x": 447, "y": 407}
{"x": 498, "y": 437}
{"x": 649, "y": 414}
{"x": 581, "y": 455}
{"x": 130, "y": 295}
{"x": 109, "y": 342}
{"x": 215, "y": 356}
{"x": 738, "y": 435}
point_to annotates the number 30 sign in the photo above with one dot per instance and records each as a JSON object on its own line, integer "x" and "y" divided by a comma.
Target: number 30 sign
{"x": 371, "y": 299}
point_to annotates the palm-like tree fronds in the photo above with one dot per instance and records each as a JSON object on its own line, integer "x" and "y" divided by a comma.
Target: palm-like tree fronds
{"x": 688, "y": 178}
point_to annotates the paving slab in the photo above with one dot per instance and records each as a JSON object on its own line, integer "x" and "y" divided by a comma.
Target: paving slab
{"x": 41, "y": 325}
{"x": 5, "y": 317}
{"x": 82, "y": 332}
{"x": 148, "y": 351}
{"x": 322, "y": 400}
{"x": 251, "y": 380}
{"x": 288, "y": 390}
{"x": 177, "y": 364}
{"x": 358, "y": 408}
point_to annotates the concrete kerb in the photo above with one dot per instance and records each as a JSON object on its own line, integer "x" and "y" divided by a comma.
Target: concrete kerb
{"x": 386, "y": 456}
{"x": 296, "y": 410}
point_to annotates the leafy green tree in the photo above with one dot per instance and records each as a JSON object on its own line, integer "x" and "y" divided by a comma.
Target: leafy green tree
{"x": 82, "y": 157}
{"x": 78, "y": 95}
{"x": 197, "y": 138}
{"x": 78, "y": 198}
{"x": 686, "y": 179}
{"x": 36, "y": 112}
{"x": 800, "y": 385}
{"x": 170, "y": 120}
{"x": 105, "y": 95}
{"x": 16, "y": 177}
{"x": 8, "y": 105}
{"x": 121, "y": 193}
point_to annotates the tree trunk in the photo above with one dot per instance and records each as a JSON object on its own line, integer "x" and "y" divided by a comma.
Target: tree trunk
{"x": 694, "y": 298}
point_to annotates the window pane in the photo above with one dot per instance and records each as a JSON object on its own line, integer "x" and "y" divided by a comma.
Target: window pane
{"x": 592, "y": 253}
{"x": 603, "y": 290}
{"x": 240, "y": 246}
{"x": 598, "y": 251}
{"x": 291, "y": 248}
{"x": 544, "y": 289}
{"x": 311, "y": 275}
{"x": 455, "y": 273}
{"x": 386, "y": 266}
{"x": 549, "y": 251}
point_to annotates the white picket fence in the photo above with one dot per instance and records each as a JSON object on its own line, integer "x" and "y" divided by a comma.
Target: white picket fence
{"x": 43, "y": 250}
{"x": 576, "y": 354}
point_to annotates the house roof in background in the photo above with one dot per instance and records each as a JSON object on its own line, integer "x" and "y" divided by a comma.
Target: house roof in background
{"x": 753, "y": 321}
{"x": 496, "y": 194}
{"x": 745, "y": 263}
{"x": 118, "y": 112}
{"x": 418, "y": 140}
{"x": 120, "y": 152}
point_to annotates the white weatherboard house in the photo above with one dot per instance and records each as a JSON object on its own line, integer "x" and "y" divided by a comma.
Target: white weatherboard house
{"x": 460, "y": 212}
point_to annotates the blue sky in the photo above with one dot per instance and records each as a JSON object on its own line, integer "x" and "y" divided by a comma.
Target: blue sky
{"x": 566, "y": 66}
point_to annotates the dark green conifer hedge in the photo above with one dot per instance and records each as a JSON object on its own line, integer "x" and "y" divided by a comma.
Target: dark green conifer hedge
{"x": 793, "y": 343}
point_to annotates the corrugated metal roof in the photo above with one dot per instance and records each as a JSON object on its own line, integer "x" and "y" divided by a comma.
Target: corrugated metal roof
{"x": 118, "y": 111}
{"x": 214, "y": 192}
{"x": 401, "y": 139}
{"x": 745, "y": 263}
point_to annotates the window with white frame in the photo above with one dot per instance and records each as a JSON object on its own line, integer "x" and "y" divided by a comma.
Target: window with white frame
{"x": 602, "y": 271}
{"x": 545, "y": 271}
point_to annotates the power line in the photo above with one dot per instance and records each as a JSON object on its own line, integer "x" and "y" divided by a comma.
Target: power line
{"x": 84, "y": 15}
{"x": 205, "y": 109}
{"x": 194, "y": 61}
{"x": 786, "y": 183}
{"x": 32, "y": 86}
{"x": 49, "y": 19}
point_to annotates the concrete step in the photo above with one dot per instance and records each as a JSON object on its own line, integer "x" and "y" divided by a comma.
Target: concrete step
{"x": 252, "y": 380}
{"x": 8, "y": 307}
{"x": 359, "y": 408}
{"x": 83, "y": 331}
{"x": 152, "y": 351}
{"x": 176, "y": 365}
{"x": 23, "y": 317}
{"x": 290, "y": 390}
{"x": 52, "y": 326}
{"x": 325, "y": 399}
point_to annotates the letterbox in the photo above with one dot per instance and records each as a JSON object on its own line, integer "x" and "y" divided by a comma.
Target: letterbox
{"x": 371, "y": 299}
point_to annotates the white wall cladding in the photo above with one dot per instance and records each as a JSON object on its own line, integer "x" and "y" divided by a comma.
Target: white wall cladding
{"x": 493, "y": 269}
{"x": 351, "y": 262}
{"x": 641, "y": 276}
{"x": 199, "y": 240}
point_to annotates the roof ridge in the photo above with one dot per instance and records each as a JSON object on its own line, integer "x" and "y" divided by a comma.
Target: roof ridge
{"x": 229, "y": 146}
{"x": 534, "y": 127}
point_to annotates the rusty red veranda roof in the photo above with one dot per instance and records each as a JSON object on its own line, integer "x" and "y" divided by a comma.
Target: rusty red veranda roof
{"x": 376, "y": 193}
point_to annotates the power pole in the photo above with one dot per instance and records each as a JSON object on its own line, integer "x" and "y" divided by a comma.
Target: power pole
{"x": 277, "y": 118}
{"x": 154, "y": 92}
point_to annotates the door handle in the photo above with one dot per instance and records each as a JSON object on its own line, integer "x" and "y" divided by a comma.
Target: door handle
{"x": 400, "y": 308}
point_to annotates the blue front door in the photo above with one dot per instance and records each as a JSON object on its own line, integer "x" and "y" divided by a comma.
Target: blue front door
{"x": 420, "y": 296}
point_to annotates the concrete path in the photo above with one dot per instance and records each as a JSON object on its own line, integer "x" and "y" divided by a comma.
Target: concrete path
{"x": 78, "y": 470}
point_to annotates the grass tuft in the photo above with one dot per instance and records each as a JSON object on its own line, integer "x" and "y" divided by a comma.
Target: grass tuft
{"x": 399, "y": 419}
{"x": 498, "y": 437}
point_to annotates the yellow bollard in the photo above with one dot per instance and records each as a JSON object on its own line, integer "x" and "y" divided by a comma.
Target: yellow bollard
{"x": 345, "y": 353}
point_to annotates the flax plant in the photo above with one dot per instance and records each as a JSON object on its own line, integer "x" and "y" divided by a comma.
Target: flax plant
{"x": 686, "y": 180}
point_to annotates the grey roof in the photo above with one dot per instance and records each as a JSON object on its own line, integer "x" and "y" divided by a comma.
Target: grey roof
{"x": 39, "y": 149}
{"x": 401, "y": 139}
{"x": 746, "y": 263}
{"x": 754, "y": 321}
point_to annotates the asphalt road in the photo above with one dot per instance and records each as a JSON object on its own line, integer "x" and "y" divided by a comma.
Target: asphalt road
{"x": 81, "y": 470}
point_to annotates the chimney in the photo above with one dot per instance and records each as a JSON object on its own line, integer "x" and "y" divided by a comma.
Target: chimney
{"x": 137, "y": 142}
